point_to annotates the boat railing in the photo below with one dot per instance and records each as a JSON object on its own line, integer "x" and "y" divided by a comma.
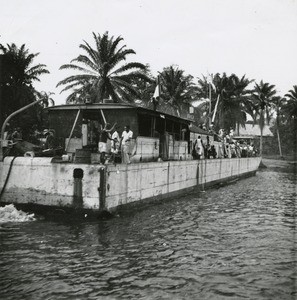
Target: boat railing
{"x": 149, "y": 149}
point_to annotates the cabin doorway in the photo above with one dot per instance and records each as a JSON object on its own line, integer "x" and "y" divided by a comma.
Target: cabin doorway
{"x": 160, "y": 128}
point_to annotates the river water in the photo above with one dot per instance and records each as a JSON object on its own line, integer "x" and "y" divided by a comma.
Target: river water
{"x": 235, "y": 242}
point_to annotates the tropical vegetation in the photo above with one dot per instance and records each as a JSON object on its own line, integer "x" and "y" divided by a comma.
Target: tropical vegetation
{"x": 290, "y": 110}
{"x": 229, "y": 99}
{"x": 262, "y": 103}
{"x": 19, "y": 74}
{"x": 103, "y": 73}
{"x": 290, "y": 106}
{"x": 177, "y": 90}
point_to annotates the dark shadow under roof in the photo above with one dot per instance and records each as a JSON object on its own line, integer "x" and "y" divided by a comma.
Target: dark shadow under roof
{"x": 120, "y": 106}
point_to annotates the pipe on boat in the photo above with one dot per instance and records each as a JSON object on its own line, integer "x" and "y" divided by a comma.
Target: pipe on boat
{"x": 78, "y": 175}
{"x": 102, "y": 188}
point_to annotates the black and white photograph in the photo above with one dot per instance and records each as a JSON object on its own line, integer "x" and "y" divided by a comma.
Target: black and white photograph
{"x": 148, "y": 149}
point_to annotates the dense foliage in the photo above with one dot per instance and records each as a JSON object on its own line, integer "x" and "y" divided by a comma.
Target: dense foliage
{"x": 103, "y": 73}
{"x": 262, "y": 97}
{"x": 17, "y": 76}
{"x": 177, "y": 90}
{"x": 230, "y": 101}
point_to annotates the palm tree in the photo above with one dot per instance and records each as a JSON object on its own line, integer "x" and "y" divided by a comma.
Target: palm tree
{"x": 47, "y": 98}
{"x": 205, "y": 93}
{"x": 278, "y": 102}
{"x": 242, "y": 100}
{"x": 21, "y": 64}
{"x": 229, "y": 99}
{"x": 233, "y": 100}
{"x": 80, "y": 93}
{"x": 177, "y": 90}
{"x": 290, "y": 108}
{"x": 103, "y": 73}
{"x": 20, "y": 73}
{"x": 262, "y": 101}
{"x": 145, "y": 89}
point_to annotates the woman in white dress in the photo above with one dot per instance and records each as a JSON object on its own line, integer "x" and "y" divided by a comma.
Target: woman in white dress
{"x": 199, "y": 147}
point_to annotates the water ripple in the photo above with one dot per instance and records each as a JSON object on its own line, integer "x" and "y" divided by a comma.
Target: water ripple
{"x": 235, "y": 242}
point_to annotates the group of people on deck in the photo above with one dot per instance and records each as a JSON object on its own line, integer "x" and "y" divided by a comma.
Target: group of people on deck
{"x": 203, "y": 150}
{"x": 120, "y": 146}
{"x": 41, "y": 143}
{"x": 227, "y": 147}
{"x": 119, "y": 150}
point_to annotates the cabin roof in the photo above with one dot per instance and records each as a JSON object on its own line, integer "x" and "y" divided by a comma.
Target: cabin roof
{"x": 93, "y": 106}
{"x": 120, "y": 106}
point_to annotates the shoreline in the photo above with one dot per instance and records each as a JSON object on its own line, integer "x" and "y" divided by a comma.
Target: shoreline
{"x": 277, "y": 163}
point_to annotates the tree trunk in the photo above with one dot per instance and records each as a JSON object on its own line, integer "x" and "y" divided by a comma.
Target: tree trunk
{"x": 261, "y": 141}
{"x": 261, "y": 124}
{"x": 295, "y": 139}
{"x": 209, "y": 113}
{"x": 277, "y": 129}
{"x": 279, "y": 143}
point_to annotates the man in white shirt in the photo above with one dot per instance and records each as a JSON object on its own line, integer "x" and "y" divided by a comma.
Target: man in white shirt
{"x": 115, "y": 141}
{"x": 125, "y": 144}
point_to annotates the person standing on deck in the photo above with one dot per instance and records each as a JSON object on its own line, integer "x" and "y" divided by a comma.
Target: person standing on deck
{"x": 125, "y": 144}
{"x": 221, "y": 135}
{"x": 50, "y": 139}
{"x": 199, "y": 147}
{"x": 115, "y": 143}
{"x": 102, "y": 145}
{"x": 231, "y": 134}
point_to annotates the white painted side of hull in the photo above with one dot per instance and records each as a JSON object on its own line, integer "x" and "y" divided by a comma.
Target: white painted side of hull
{"x": 43, "y": 182}
{"x": 131, "y": 183}
{"x": 39, "y": 181}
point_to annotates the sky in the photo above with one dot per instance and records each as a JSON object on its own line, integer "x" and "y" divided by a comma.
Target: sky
{"x": 255, "y": 38}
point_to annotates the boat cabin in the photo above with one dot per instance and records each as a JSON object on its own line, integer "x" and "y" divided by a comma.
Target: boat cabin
{"x": 155, "y": 134}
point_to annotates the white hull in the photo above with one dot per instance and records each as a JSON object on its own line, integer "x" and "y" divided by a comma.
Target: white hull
{"x": 41, "y": 182}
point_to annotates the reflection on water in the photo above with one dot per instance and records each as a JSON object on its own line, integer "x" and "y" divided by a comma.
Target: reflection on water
{"x": 236, "y": 242}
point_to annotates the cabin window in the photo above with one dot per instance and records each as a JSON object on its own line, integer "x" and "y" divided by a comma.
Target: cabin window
{"x": 169, "y": 126}
{"x": 145, "y": 125}
{"x": 185, "y": 133}
{"x": 159, "y": 126}
{"x": 176, "y": 131}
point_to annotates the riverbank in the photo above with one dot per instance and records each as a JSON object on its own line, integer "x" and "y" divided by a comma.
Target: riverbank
{"x": 278, "y": 163}
{"x": 283, "y": 158}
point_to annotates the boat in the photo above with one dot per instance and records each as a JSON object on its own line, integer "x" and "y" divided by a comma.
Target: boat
{"x": 162, "y": 166}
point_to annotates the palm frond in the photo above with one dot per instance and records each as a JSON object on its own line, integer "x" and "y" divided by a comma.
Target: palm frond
{"x": 77, "y": 78}
{"x": 129, "y": 66}
{"x": 77, "y": 68}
